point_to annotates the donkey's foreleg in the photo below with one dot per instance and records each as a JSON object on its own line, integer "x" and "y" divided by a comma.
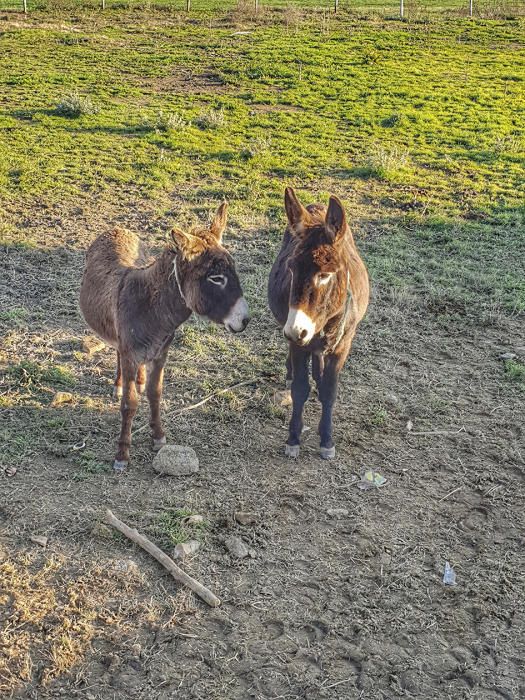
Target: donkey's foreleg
{"x": 300, "y": 392}
{"x": 117, "y": 387}
{"x": 128, "y": 408}
{"x": 141, "y": 379}
{"x": 327, "y": 395}
{"x": 154, "y": 389}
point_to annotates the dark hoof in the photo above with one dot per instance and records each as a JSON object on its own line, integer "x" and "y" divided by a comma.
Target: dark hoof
{"x": 159, "y": 444}
{"x": 292, "y": 451}
{"x": 327, "y": 452}
{"x": 120, "y": 465}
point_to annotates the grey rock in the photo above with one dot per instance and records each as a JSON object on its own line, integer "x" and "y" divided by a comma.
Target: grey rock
{"x": 237, "y": 548}
{"x": 176, "y": 460}
{"x": 244, "y": 518}
{"x": 337, "y": 512}
{"x": 184, "y": 549}
{"x": 508, "y": 356}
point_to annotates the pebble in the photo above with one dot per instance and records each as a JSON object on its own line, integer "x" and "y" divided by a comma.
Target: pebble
{"x": 244, "y": 518}
{"x": 126, "y": 566}
{"x": 61, "y": 397}
{"x": 508, "y": 356}
{"x": 92, "y": 344}
{"x": 39, "y": 539}
{"x": 184, "y": 549}
{"x": 237, "y": 548}
{"x": 337, "y": 512}
{"x": 193, "y": 519}
{"x": 176, "y": 460}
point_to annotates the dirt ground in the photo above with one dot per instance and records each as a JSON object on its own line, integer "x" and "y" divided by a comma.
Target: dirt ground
{"x": 350, "y": 605}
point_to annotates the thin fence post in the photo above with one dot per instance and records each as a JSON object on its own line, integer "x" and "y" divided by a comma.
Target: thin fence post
{"x": 402, "y": 8}
{"x": 103, "y": 4}
{"x": 188, "y": 5}
{"x": 256, "y": 6}
{"x": 25, "y": 6}
{"x": 471, "y": 7}
{"x": 336, "y": 5}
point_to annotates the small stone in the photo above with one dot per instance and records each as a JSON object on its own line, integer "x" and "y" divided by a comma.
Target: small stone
{"x": 185, "y": 549}
{"x": 126, "y": 566}
{"x": 136, "y": 650}
{"x": 91, "y": 344}
{"x": 244, "y": 518}
{"x": 508, "y": 356}
{"x": 10, "y": 471}
{"x": 176, "y": 460}
{"x": 283, "y": 398}
{"x": 237, "y": 548}
{"x": 39, "y": 539}
{"x": 337, "y": 512}
{"x": 61, "y": 397}
{"x": 193, "y": 519}
{"x": 101, "y": 530}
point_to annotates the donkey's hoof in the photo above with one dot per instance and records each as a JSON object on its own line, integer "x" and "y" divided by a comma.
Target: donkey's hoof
{"x": 159, "y": 444}
{"x": 292, "y": 451}
{"x": 327, "y": 452}
{"x": 120, "y": 465}
{"x": 117, "y": 393}
{"x": 141, "y": 388}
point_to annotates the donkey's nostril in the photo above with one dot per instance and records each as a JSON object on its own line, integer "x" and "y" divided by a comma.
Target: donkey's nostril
{"x": 245, "y": 322}
{"x": 303, "y": 334}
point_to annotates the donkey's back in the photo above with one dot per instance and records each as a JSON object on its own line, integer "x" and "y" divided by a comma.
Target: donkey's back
{"x": 108, "y": 259}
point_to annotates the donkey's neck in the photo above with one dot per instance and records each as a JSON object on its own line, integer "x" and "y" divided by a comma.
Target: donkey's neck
{"x": 161, "y": 284}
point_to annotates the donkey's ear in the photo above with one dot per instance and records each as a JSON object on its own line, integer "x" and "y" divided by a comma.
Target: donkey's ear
{"x": 336, "y": 225}
{"x": 297, "y": 215}
{"x": 185, "y": 243}
{"x": 219, "y": 221}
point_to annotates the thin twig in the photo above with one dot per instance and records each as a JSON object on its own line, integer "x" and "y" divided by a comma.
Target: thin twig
{"x": 450, "y": 494}
{"x": 436, "y": 432}
{"x": 177, "y": 573}
{"x": 333, "y": 685}
{"x": 180, "y": 411}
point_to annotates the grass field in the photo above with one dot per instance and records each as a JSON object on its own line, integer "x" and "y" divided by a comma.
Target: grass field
{"x": 145, "y": 116}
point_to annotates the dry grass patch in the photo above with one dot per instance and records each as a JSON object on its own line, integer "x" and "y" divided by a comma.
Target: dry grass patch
{"x": 53, "y": 617}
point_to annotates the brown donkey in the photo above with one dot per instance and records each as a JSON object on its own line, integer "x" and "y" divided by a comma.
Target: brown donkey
{"x": 318, "y": 291}
{"x": 135, "y": 305}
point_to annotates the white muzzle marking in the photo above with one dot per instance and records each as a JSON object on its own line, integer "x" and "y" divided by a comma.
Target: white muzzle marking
{"x": 237, "y": 319}
{"x": 299, "y": 327}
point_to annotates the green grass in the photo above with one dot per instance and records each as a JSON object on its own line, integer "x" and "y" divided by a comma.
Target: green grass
{"x": 28, "y": 373}
{"x": 418, "y": 124}
{"x": 515, "y": 371}
{"x": 170, "y": 528}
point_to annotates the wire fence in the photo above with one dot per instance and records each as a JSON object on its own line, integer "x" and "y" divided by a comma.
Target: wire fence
{"x": 401, "y": 8}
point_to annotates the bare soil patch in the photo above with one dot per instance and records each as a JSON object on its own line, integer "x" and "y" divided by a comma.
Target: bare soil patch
{"x": 327, "y": 606}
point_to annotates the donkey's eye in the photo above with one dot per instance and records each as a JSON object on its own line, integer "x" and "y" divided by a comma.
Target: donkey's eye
{"x": 220, "y": 280}
{"x": 324, "y": 277}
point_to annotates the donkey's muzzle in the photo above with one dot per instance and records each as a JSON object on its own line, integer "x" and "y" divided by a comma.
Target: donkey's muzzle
{"x": 238, "y": 318}
{"x": 299, "y": 327}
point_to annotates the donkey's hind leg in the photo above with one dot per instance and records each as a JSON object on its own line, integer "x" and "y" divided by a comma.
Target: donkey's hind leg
{"x": 155, "y": 379}
{"x": 117, "y": 386}
{"x": 141, "y": 379}
{"x": 128, "y": 408}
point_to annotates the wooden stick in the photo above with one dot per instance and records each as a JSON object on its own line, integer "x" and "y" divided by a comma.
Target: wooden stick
{"x": 180, "y": 411}
{"x": 177, "y": 573}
